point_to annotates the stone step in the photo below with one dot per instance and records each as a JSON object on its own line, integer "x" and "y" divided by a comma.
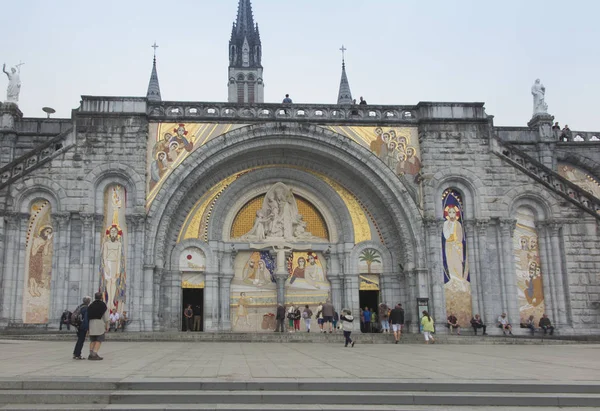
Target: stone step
{"x": 297, "y": 397}
{"x": 266, "y": 407}
{"x": 72, "y": 385}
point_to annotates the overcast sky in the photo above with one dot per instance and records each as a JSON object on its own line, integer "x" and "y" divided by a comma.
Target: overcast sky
{"x": 399, "y": 52}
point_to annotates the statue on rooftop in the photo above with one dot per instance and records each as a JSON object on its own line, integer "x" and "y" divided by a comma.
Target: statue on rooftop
{"x": 539, "y": 92}
{"x": 14, "y": 83}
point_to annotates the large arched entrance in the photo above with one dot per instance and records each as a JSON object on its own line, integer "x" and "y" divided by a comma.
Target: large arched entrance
{"x": 355, "y": 204}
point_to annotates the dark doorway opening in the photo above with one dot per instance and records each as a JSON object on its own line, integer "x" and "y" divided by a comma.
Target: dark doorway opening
{"x": 195, "y": 297}
{"x": 370, "y": 299}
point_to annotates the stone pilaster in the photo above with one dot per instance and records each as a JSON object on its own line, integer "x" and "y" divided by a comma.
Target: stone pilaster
{"x": 87, "y": 266}
{"x": 136, "y": 224}
{"x": 9, "y": 116}
{"x": 433, "y": 228}
{"x": 60, "y": 269}
{"x": 145, "y": 315}
{"x": 554, "y": 232}
{"x": 211, "y": 302}
{"x": 156, "y": 304}
{"x": 545, "y": 250}
{"x": 226, "y": 275}
{"x": 507, "y": 229}
{"x": 485, "y": 284}
{"x": 472, "y": 259}
{"x": 13, "y": 282}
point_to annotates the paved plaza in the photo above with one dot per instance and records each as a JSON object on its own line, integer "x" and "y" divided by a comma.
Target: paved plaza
{"x": 255, "y": 361}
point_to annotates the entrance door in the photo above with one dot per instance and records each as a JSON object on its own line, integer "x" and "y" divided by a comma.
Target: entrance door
{"x": 368, "y": 298}
{"x": 195, "y": 297}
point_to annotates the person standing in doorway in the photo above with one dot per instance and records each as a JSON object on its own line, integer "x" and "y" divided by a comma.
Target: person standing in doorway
{"x": 397, "y": 320}
{"x": 307, "y": 315}
{"x": 98, "y": 325}
{"x": 82, "y": 329}
{"x": 197, "y": 317}
{"x": 188, "y": 313}
{"x": 347, "y": 326}
{"x": 367, "y": 316}
{"x": 280, "y": 318}
{"x": 428, "y": 327}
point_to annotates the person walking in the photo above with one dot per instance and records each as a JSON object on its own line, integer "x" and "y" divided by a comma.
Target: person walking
{"x": 428, "y": 327}
{"x": 336, "y": 319}
{"x": 307, "y": 315}
{"x": 82, "y": 329}
{"x": 347, "y": 326}
{"x": 320, "y": 317}
{"x": 98, "y": 325}
{"x": 188, "y": 313}
{"x": 280, "y": 318}
{"x": 397, "y": 320}
{"x": 65, "y": 319}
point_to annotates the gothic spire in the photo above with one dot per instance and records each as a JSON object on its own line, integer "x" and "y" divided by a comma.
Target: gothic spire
{"x": 344, "y": 95}
{"x": 153, "y": 93}
{"x": 244, "y": 45}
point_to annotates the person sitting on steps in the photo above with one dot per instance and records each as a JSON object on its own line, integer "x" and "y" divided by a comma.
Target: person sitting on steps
{"x": 476, "y": 323}
{"x": 503, "y": 323}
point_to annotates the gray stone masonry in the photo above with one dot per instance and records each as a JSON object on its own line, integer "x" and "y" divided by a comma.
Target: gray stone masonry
{"x": 108, "y": 145}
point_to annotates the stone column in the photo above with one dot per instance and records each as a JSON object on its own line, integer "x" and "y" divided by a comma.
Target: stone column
{"x": 60, "y": 269}
{"x": 545, "y": 251}
{"x": 281, "y": 274}
{"x": 433, "y": 228}
{"x": 333, "y": 275}
{"x": 507, "y": 228}
{"x": 146, "y": 318}
{"x": 156, "y": 303}
{"x": 13, "y": 275}
{"x": 227, "y": 274}
{"x": 211, "y": 302}
{"x": 9, "y": 115}
{"x": 473, "y": 258}
{"x": 485, "y": 281}
{"x": 558, "y": 277}
{"x": 135, "y": 268}
{"x": 87, "y": 266}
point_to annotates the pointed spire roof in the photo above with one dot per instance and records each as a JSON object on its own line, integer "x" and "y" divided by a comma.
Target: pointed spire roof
{"x": 153, "y": 93}
{"x": 244, "y": 45}
{"x": 344, "y": 95}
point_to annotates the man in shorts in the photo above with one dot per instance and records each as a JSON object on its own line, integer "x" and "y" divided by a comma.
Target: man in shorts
{"x": 397, "y": 321}
{"x": 98, "y": 322}
{"x": 328, "y": 316}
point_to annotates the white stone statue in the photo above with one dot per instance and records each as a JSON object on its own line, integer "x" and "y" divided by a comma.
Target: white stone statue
{"x": 539, "y": 91}
{"x": 14, "y": 83}
{"x": 278, "y": 219}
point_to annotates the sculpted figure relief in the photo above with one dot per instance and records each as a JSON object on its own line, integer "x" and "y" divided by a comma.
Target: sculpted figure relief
{"x": 14, "y": 84}
{"x": 278, "y": 219}
{"x": 539, "y": 92}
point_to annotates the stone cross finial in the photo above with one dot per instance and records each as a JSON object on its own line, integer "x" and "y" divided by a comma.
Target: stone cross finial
{"x": 343, "y": 49}
{"x": 154, "y": 46}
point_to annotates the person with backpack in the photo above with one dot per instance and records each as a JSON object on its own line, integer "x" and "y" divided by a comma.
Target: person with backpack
{"x": 307, "y": 315}
{"x": 98, "y": 324}
{"x": 347, "y": 319}
{"x": 79, "y": 320}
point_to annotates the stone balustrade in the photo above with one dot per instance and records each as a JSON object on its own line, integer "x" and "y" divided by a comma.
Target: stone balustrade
{"x": 33, "y": 159}
{"x": 546, "y": 176}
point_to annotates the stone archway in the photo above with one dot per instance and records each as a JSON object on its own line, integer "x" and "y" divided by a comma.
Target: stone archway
{"x": 313, "y": 148}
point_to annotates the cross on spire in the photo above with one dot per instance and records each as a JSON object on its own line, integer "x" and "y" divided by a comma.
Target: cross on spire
{"x": 342, "y": 50}
{"x": 154, "y": 46}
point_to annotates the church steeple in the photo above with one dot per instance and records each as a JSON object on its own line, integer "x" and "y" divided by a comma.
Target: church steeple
{"x": 153, "y": 93}
{"x": 344, "y": 95}
{"x": 245, "y": 55}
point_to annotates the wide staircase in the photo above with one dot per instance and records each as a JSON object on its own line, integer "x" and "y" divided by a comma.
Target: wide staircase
{"x": 85, "y": 393}
{"x": 547, "y": 177}
{"x": 34, "y": 159}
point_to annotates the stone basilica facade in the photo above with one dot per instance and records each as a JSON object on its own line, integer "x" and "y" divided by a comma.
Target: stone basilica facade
{"x": 235, "y": 207}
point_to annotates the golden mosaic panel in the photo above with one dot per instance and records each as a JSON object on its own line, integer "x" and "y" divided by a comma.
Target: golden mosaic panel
{"x": 244, "y": 220}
